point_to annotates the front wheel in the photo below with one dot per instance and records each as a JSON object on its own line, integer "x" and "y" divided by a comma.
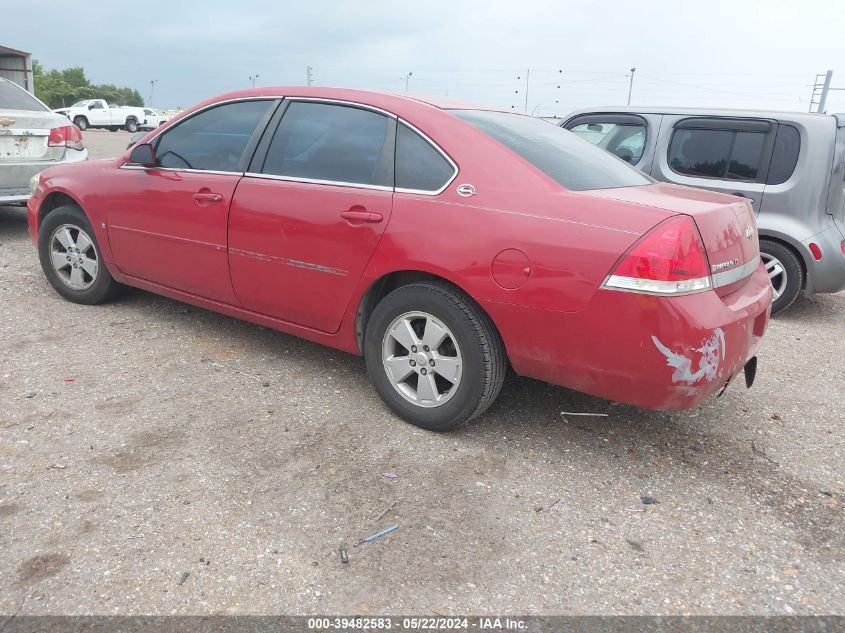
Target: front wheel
{"x": 785, "y": 273}
{"x": 81, "y": 122}
{"x": 132, "y": 126}
{"x": 434, "y": 356}
{"x": 71, "y": 258}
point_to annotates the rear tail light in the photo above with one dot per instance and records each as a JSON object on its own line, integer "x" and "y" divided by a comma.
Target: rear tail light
{"x": 669, "y": 260}
{"x": 67, "y": 136}
{"x": 842, "y": 247}
{"x": 816, "y": 251}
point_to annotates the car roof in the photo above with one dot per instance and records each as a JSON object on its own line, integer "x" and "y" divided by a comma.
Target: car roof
{"x": 386, "y": 100}
{"x": 725, "y": 112}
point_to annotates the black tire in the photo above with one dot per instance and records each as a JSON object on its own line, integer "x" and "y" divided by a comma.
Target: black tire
{"x": 103, "y": 288}
{"x": 131, "y": 125}
{"x": 81, "y": 122}
{"x": 792, "y": 270}
{"x": 113, "y": 128}
{"x": 482, "y": 353}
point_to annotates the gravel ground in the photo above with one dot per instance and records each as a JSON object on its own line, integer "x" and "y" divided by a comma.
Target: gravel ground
{"x": 139, "y": 444}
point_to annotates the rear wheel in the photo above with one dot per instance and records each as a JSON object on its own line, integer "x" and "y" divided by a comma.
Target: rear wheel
{"x": 71, "y": 258}
{"x": 131, "y": 125}
{"x": 434, "y": 356}
{"x": 785, "y": 273}
{"x": 81, "y": 122}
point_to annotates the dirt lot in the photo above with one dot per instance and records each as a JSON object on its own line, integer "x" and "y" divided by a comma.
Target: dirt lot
{"x": 139, "y": 443}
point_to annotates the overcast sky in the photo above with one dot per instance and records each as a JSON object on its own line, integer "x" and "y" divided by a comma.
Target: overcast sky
{"x": 734, "y": 53}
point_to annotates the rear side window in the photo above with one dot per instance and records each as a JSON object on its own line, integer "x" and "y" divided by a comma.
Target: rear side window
{"x": 785, "y": 155}
{"x": 332, "y": 143}
{"x": 214, "y": 139}
{"x": 722, "y": 154}
{"x": 419, "y": 166}
{"x": 13, "y": 97}
{"x": 624, "y": 141}
{"x": 574, "y": 163}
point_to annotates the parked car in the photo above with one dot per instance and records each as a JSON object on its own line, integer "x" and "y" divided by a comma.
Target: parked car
{"x": 439, "y": 242}
{"x": 98, "y": 113}
{"x": 790, "y": 165}
{"x": 153, "y": 118}
{"x": 31, "y": 139}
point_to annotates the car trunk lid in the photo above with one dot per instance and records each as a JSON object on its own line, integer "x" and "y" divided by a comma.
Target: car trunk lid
{"x": 726, "y": 224}
{"x": 24, "y": 135}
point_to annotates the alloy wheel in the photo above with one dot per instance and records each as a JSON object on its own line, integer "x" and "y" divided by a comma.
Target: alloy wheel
{"x": 422, "y": 359}
{"x": 777, "y": 274}
{"x": 74, "y": 257}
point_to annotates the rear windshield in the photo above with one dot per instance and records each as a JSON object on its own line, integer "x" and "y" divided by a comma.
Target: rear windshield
{"x": 13, "y": 97}
{"x": 573, "y": 162}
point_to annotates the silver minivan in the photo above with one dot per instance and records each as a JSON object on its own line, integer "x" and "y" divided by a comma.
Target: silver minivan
{"x": 791, "y": 166}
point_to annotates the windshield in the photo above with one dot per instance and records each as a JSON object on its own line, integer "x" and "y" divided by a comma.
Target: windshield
{"x": 13, "y": 97}
{"x": 80, "y": 104}
{"x": 573, "y": 162}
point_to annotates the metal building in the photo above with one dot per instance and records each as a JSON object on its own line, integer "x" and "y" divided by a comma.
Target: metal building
{"x": 16, "y": 66}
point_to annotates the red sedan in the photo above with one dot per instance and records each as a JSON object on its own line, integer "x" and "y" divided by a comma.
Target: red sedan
{"x": 441, "y": 241}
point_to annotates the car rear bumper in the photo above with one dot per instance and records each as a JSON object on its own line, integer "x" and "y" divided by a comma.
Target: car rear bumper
{"x": 664, "y": 353}
{"x": 827, "y": 274}
{"x": 14, "y": 177}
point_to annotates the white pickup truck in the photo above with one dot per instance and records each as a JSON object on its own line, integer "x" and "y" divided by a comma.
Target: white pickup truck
{"x": 100, "y": 113}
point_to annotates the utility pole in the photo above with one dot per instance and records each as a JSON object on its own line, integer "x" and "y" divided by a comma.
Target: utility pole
{"x": 825, "y": 88}
{"x": 527, "y": 75}
{"x": 308, "y": 74}
{"x": 152, "y": 88}
{"x": 407, "y": 78}
{"x": 631, "y": 85}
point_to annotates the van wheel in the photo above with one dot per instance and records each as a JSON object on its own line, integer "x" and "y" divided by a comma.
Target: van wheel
{"x": 81, "y": 122}
{"x": 785, "y": 273}
{"x": 72, "y": 259}
{"x": 434, "y": 356}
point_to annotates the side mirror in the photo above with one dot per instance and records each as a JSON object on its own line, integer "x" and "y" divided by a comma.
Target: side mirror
{"x": 143, "y": 154}
{"x": 92, "y": 106}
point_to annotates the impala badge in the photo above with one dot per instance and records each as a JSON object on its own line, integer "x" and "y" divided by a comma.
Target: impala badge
{"x": 465, "y": 190}
{"x": 723, "y": 265}
{"x": 749, "y": 232}
{"x": 6, "y": 122}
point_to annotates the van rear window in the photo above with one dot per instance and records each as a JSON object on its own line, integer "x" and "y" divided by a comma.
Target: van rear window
{"x": 573, "y": 162}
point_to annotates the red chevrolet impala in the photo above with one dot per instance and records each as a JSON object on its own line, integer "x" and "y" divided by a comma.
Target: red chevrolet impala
{"x": 441, "y": 241}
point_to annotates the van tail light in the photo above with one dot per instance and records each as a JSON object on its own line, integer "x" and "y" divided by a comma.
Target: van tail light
{"x": 669, "y": 260}
{"x": 67, "y": 136}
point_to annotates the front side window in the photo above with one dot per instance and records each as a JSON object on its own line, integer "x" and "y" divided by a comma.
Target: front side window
{"x": 214, "y": 139}
{"x": 712, "y": 153}
{"x": 571, "y": 161}
{"x": 419, "y": 166}
{"x": 95, "y": 105}
{"x": 332, "y": 143}
{"x": 625, "y": 141}
{"x": 13, "y": 97}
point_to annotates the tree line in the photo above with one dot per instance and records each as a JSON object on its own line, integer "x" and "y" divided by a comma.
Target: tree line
{"x": 61, "y": 88}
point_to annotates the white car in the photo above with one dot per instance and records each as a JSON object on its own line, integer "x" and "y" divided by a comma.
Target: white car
{"x": 154, "y": 118}
{"x": 99, "y": 113}
{"x": 31, "y": 139}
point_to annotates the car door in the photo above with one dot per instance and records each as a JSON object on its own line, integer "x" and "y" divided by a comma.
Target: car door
{"x": 307, "y": 217}
{"x": 168, "y": 224}
{"x": 98, "y": 113}
{"x": 724, "y": 154}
